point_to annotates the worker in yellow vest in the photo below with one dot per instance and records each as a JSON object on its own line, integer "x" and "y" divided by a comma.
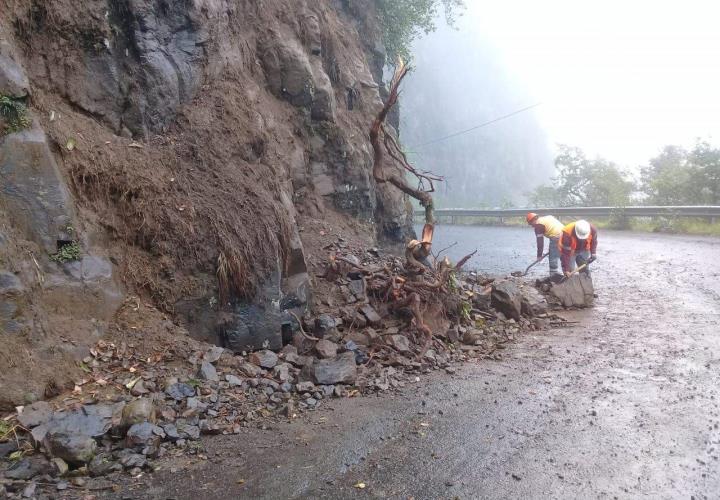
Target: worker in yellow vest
{"x": 548, "y": 227}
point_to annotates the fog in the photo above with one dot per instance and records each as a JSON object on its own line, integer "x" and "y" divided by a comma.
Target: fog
{"x": 618, "y": 79}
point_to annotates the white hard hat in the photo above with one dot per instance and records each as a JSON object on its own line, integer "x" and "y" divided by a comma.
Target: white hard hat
{"x": 582, "y": 229}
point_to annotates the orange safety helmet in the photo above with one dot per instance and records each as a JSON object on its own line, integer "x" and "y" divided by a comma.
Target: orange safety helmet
{"x": 531, "y": 216}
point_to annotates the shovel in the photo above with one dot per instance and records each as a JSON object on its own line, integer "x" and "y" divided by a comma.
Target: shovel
{"x": 580, "y": 268}
{"x": 518, "y": 273}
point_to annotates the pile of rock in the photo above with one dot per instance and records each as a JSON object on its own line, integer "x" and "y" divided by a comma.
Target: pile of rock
{"x": 132, "y": 409}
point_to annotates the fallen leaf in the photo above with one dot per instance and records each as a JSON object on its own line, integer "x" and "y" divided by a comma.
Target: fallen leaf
{"x": 132, "y": 383}
{"x": 240, "y": 481}
{"x": 70, "y": 144}
{"x": 135, "y": 145}
{"x": 360, "y": 486}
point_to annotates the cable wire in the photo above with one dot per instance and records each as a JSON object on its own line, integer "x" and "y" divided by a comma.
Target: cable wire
{"x": 455, "y": 134}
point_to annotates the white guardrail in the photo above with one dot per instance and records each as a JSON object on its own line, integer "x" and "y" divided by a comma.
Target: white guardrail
{"x": 641, "y": 211}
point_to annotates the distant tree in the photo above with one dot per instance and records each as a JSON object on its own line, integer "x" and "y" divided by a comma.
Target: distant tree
{"x": 680, "y": 177}
{"x": 403, "y": 20}
{"x": 705, "y": 173}
{"x": 667, "y": 178}
{"x": 584, "y": 182}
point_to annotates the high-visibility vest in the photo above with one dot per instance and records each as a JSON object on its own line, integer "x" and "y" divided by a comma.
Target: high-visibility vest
{"x": 569, "y": 236}
{"x": 553, "y": 227}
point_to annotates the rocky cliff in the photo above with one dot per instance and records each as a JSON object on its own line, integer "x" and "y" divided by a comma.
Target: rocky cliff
{"x": 171, "y": 150}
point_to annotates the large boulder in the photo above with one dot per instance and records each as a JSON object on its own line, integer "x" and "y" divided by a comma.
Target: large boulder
{"x": 577, "y": 291}
{"x": 341, "y": 370}
{"x": 533, "y": 302}
{"x": 507, "y": 299}
{"x": 74, "y": 447}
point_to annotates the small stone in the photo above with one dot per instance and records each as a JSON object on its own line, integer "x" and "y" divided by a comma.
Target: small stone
{"x": 139, "y": 388}
{"x": 360, "y": 338}
{"x": 342, "y": 369}
{"x": 143, "y": 434}
{"x": 36, "y": 414}
{"x": 78, "y": 481}
{"x": 286, "y": 387}
{"x": 326, "y": 349}
{"x": 305, "y": 387}
{"x": 138, "y": 411}
{"x": 233, "y": 380}
{"x": 100, "y": 465}
{"x": 133, "y": 460}
{"x": 311, "y": 401}
{"x": 250, "y": 369}
{"x": 398, "y": 342}
{"x": 282, "y": 372}
{"x": 191, "y": 432}
{"x": 179, "y": 391}
{"x": 472, "y": 336}
{"x": 27, "y": 468}
{"x": 171, "y": 431}
{"x": 265, "y": 359}
{"x": 74, "y": 448}
{"x": 213, "y": 354}
{"x": 207, "y": 372}
{"x": 357, "y": 287}
{"x": 371, "y": 314}
{"x": 7, "y": 448}
{"x": 288, "y": 410}
{"x": 60, "y": 466}
{"x": 209, "y": 428}
{"x": 29, "y": 490}
{"x": 327, "y": 390}
{"x": 324, "y": 325}
{"x": 62, "y": 486}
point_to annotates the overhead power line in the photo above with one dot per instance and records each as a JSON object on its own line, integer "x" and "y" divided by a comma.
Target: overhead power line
{"x": 495, "y": 120}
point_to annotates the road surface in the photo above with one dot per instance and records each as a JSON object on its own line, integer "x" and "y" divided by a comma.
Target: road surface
{"x": 625, "y": 405}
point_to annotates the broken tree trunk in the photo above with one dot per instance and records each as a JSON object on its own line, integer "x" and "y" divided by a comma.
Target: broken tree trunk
{"x": 390, "y": 145}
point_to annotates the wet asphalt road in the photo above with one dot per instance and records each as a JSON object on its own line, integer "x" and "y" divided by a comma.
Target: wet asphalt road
{"x": 624, "y": 405}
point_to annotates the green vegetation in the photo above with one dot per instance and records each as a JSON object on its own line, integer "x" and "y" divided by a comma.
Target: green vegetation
{"x": 403, "y": 20}
{"x": 67, "y": 253}
{"x": 674, "y": 177}
{"x": 14, "y": 114}
{"x": 581, "y": 181}
{"x": 680, "y": 177}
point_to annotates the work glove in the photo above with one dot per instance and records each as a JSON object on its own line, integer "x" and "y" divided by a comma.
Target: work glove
{"x": 593, "y": 258}
{"x": 580, "y": 260}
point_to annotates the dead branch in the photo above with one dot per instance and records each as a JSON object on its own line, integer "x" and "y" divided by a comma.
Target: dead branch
{"x": 393, "y": 149}
{"x": 462, "y": 261}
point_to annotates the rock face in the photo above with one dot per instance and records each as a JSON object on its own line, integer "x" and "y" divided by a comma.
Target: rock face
{"x": 273, "y": 100}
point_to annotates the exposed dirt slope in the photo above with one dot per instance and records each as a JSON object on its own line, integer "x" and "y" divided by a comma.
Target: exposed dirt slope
{"x": 187, "y": 137}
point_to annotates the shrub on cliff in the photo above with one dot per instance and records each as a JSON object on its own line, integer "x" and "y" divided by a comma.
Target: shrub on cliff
{"x": 403, "y": 20}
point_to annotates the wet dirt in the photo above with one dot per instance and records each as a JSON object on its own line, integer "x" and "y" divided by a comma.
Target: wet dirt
{"x": 623, "y": 405}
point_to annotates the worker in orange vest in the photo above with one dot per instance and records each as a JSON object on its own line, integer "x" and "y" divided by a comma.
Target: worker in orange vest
{"x": 577, "y": 245}
{"x": 548, "y": 227}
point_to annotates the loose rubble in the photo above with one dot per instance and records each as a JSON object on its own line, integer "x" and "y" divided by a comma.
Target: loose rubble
{"x": 366, "y": 337}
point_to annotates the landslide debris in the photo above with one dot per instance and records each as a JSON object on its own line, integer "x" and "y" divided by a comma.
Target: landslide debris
{"x": 143, "y": 399}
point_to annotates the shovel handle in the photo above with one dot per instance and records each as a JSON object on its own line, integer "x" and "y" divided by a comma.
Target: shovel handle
{"x": 536, "y": 262}
{"x": 580, "y": 268}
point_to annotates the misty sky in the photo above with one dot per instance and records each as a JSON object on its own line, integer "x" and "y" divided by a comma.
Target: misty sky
{"x": 620, "y": 79}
